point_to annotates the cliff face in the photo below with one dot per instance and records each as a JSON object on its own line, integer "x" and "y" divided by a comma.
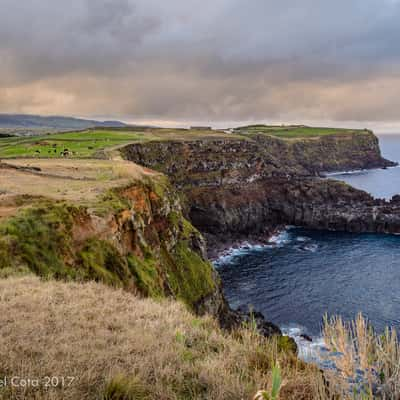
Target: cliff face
{"x": 213, "y": 162}
{"x": 241, "y": 189}
{"x": 133, "y": 237}
{"x": 111, "y": 222}
{"x": 359, "y": 150}
{"x": 233, "y": 214}
{"x": 256, "y": 157}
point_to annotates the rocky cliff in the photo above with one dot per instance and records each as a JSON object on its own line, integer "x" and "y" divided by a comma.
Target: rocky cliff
{"x": 133, "y": 237}
{"x": 336, "y": 152}
{"x": 212, "y": 162}
{"x": 244, "y": 189}
{"x": 233, "y": 214}
{"x": 218, "y": 162}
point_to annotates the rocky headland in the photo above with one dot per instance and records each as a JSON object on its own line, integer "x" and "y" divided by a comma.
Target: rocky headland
{"x": 246, "y": 189}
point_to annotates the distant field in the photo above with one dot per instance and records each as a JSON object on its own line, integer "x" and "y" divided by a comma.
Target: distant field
{"x": 295, "y": 131}
{"x": 86, "y": 144}
{"x": 73, "y": 145}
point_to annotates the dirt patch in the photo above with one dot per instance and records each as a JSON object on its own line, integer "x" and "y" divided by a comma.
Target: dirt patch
{"x": 72, "y": 180}
{"x": 7, "y": 211}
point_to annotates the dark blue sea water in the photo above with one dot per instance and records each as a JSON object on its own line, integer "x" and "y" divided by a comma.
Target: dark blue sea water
{"x": 379, "y": 182}
{"x": 306, "y": 274}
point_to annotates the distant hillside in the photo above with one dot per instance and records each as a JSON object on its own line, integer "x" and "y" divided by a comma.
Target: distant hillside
{"x": 37, "y": 121}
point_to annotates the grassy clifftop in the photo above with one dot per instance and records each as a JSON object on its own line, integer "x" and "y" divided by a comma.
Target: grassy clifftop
{"x": 296, "y": 131}
{"x": 93, "y": 142}
{"x": 258, "y": 149}
{"x": 112, "y": 222}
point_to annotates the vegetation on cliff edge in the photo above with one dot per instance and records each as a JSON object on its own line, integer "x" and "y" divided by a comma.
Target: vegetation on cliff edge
{"x": 158, "y": 258}
{"x": 296, "y": 131}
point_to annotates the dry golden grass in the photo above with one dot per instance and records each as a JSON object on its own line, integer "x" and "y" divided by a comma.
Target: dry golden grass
{"x": 73, "y": 180}
{"x": 368, "y": 362}
{"x": 118, "y": 346}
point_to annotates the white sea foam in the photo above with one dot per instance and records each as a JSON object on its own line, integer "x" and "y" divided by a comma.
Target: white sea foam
{"x": 311, "y": 247}
{"x": 350, "y": 172}
{"x": 307, "y": 351}
{"x": 354, "y": 171}
{"x": 303, "y": 239}
{"x": 278, "y": 240}
{"x": 281, "y": 238}
{"x": 244, "y": 248}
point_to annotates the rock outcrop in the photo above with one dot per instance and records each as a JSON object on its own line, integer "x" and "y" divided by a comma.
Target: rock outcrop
{"x": 217, "y": 162}
{"x": 341, "y": 152}
{"x": 212, "y": 162}
{"x": 255, "y": 211}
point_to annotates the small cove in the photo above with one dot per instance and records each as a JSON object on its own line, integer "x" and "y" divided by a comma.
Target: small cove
{"x": 306, "y": 273}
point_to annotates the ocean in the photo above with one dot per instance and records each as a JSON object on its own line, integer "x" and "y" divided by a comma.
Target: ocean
{"x": 305, "y": 274}
{"x": 381, "y": 183}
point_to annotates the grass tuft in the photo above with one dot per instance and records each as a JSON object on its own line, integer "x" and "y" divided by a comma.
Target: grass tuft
{"x": 367, "y": 363}
{"x": 121, "y": 387}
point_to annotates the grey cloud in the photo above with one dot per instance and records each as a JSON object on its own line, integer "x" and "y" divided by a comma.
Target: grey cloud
{"x": 215, "y": 60}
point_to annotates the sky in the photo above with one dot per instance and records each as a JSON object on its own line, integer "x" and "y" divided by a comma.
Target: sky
{"x": 218, "y": 62}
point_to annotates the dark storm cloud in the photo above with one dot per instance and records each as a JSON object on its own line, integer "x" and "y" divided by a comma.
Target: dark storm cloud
{"x": 215, "y": 60}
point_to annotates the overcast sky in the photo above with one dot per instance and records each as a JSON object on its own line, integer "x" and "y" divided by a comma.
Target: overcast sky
{"x": 213, "y": 61}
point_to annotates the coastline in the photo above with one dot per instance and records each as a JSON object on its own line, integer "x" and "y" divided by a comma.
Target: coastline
{"x": 218, "y": 248}
{"x": 356, "y": 171}
{"x": 309, "y": 347}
